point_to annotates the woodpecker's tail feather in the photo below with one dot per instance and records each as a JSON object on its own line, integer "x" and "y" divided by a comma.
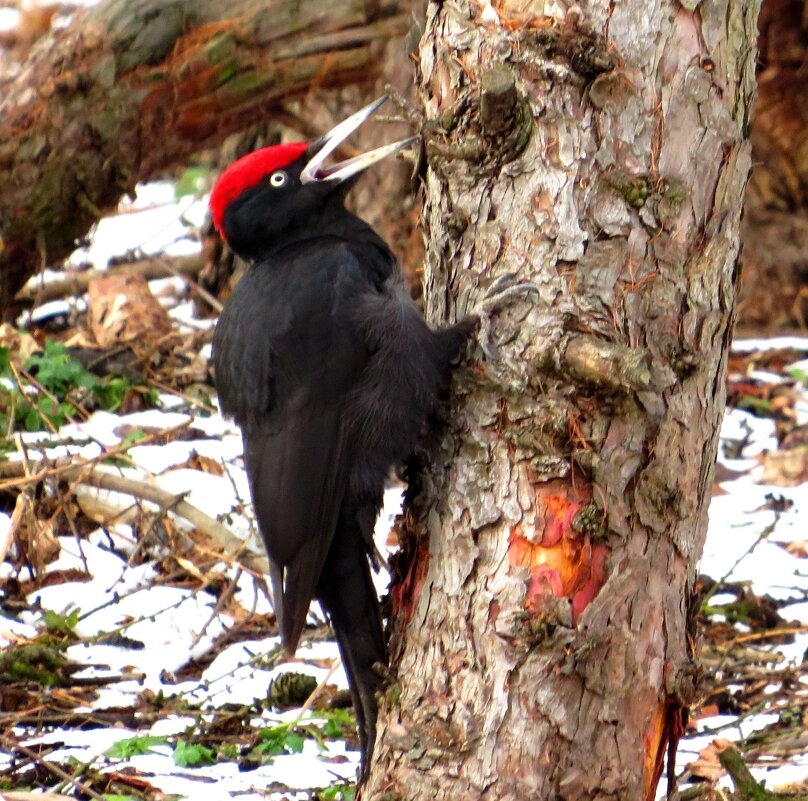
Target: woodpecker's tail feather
{"x": 291, "y": 605}
{"x": 347, "y": 594}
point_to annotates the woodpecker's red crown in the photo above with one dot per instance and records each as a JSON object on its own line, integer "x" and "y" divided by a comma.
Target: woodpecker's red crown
{"x": 248, "y": 172}
{"x": 262, "y": 214}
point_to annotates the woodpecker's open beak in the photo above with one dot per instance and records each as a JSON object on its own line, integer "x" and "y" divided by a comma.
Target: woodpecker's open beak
{"x": 326, "y": 144}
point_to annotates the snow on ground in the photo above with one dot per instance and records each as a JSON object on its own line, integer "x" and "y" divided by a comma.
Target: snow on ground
{"x": 170, "y": 626}
{"x": 140, "y": 635}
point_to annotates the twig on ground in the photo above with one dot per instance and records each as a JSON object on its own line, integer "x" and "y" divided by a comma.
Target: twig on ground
{"x": 765, "y": 534}
{"x": 746, "y": 788}
{"x": 307, "y": 704}
{"x": 217, "y": 609}
{"x": 194, "y": 286}
{"x": 14, "y": 746}
{"x": 91, "y": 474}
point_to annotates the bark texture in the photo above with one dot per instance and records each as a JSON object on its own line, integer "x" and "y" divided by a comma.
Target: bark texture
{"x": 134, "y": 87}
{"x": 541, "y": 644}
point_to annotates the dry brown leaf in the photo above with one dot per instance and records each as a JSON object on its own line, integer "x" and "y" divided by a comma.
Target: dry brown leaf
{"x": 190, "y": 567}
{"x": 33, "y": 22}
{"x": 708, "y": 766}
{"x": 706, "y": 711}
{"x": 121, "y": 308}
{"x": 796, "y": 437}
{"x": 35, "y": 538}
{"x": 798, "y": 548}
{"x": 786, "y": 468}
{"x": 206, "y": 465}
{"x": 22, "y": 345}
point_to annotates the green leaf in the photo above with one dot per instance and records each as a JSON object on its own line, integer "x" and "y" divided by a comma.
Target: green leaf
{"x": 66, "y": 378}
{"x": 190, "y": 755}
{"x": 281, "y": 739}
{"x": 58, "y": 371}
{"x": 5, "y": 360}
{"x": 228, "y": 752}
{"x": 337, "y": 722}
{"x": 55, "y": 622}
{"x": 132, "y": 437}
{"x": 795, "y": 372}
{"x": 338, "y": 792}
{"x": 133, "y": 746}
{"x": 32, "y": 421}
{"x": 294, "y": 742}
{"x": 756, "y": 406}
{"x": 192, "y": 181}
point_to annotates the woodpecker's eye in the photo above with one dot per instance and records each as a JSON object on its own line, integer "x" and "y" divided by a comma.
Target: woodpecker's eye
{"x": 278, "y": 178}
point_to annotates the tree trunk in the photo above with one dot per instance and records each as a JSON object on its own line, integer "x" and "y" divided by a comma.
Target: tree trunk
{"x": 541, "y": 644}
{"x": 132, "y": 88}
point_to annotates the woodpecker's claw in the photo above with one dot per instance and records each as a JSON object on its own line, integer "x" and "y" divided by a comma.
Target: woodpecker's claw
{"x": 323, "y": 147}
{"x": 500, "y": 294}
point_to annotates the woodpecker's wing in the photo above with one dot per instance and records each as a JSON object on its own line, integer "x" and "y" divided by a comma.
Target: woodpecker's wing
{"x": 297, "y": 478}
{"x": 287, "y": 356}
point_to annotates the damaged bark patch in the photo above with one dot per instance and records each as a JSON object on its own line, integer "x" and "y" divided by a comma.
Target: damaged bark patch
{"x": 661, "y": 737}
{"x": 404, "y": 594}
{"x": 563, "y": 562}
{"x": 654, "y": 742}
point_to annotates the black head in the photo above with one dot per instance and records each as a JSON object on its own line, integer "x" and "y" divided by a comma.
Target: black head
{"x": 276, "y": 194}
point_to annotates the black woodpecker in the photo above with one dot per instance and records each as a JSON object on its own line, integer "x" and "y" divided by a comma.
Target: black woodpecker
{"x": 331, "y": 373}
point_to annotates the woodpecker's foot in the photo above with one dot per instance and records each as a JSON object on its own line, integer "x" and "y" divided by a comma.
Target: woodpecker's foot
{"x": 501, "y": 293}
{"x": 410, "y": 113}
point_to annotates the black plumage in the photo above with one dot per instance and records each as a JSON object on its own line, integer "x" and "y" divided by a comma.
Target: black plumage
{"x": 331, "y": 373}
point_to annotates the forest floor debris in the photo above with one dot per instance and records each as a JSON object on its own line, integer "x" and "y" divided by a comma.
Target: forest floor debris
{"x": 139, "y": 658}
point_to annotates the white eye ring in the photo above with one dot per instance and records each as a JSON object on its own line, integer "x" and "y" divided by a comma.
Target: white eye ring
{"x": 278, "y": 178}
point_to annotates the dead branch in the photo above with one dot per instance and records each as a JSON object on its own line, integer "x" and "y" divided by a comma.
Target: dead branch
{"x": 74, "y": 284}
{"x": 13, "y": 746}
{"x": 95, "y": 475}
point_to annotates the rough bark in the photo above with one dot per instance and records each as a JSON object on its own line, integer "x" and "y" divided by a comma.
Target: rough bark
{"x": 134, "y": 87}
{"x": 540, "y": 642}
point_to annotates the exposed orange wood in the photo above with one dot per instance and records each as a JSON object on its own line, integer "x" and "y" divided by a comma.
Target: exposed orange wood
{"x": 563, "y": 562}
{"x": 404, "y": 594}
{"x": 662, "y": 735}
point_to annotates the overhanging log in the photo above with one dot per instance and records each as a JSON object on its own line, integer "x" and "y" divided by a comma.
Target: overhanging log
{"x": 132, "y": 88}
